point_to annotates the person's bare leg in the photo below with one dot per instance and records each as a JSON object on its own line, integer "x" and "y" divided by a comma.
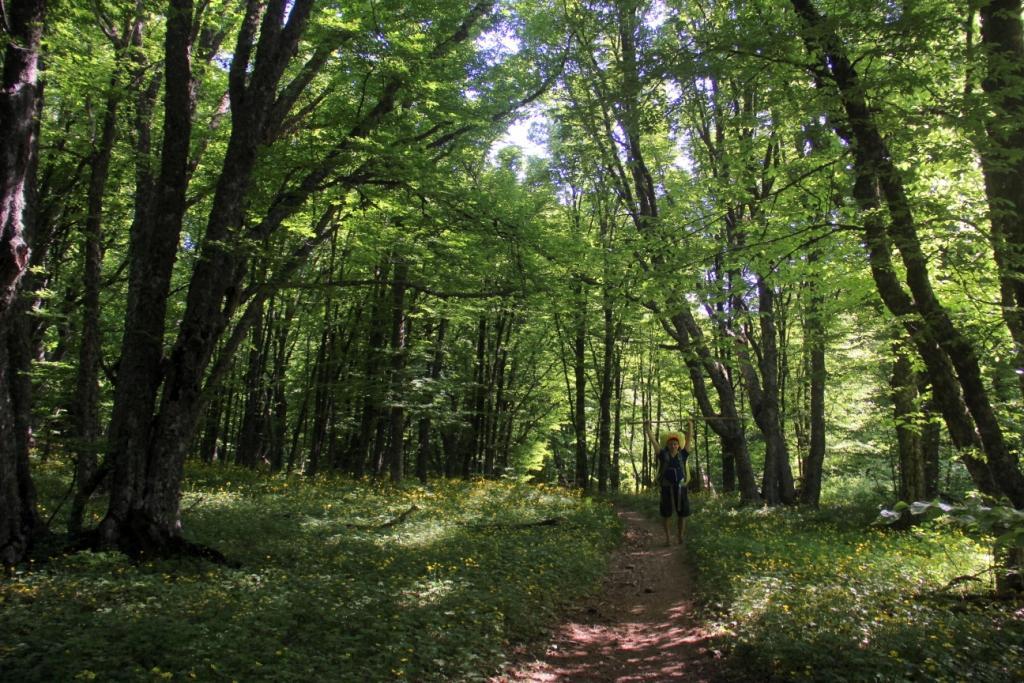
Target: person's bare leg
{"x": 681, "y": 529}
{"x": 664, "y": 524}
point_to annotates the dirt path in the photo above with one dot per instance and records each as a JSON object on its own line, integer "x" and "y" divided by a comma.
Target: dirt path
{"x": 639, "y": 629}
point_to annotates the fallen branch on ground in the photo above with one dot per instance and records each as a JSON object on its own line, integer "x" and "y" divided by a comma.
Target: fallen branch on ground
{"x": 397, "y": 520}
{"x": 550, "y": 521}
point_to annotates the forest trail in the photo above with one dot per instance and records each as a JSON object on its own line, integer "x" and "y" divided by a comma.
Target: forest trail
{"x": 639, "y": 628}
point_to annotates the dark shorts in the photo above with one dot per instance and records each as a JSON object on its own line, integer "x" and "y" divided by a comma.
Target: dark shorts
{"x": 674, "y": 499}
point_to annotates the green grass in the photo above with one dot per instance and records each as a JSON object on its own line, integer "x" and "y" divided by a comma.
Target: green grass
{"x": 320, "y": 594}
{"x": 803, "y": 595}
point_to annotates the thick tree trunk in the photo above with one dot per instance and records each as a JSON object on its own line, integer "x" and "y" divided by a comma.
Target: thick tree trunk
{"x": 152, "y": 249}
{"x": 1002, "y": 156}
{"x": 19, "y": 103}
{"x": 20, "y": 99}
{"x": 19, "y": 517}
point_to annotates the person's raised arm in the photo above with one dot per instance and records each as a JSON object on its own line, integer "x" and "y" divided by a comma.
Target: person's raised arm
{"x": 650, "y": 436}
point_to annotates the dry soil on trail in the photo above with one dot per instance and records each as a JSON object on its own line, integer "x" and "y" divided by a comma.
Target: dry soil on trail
{"x": 639, "y": 628}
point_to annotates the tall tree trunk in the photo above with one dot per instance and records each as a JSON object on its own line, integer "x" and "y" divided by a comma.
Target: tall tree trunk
{"x": 1002, "y": 156}
{"x": 814, "y": 330}
{"x": 763, "y": 394}
{"x": 279, "y": 399}
{"x": 399, "y": 334}
{"x": 605, "y": 399}
{"x": 19, "y": 106}
{"x": 152, "y": 249}
{"x": 433, "y": 374}
{"x": 617, "y": 439}
{"x": 214, "y": 291}
{"x": 84, "y": 410}
{"x": 582, "y": 475}
{"x": 321, "y": 403}
{"x": 470, "y": 442}
{"x": 252, "y": 434}
{"x": 372, "y": 396}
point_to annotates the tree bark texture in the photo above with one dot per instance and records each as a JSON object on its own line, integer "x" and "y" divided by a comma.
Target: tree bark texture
{"x": 19, "y": 106}
{"x": 1002, "y": 156}
{"x": 152, "y": 250}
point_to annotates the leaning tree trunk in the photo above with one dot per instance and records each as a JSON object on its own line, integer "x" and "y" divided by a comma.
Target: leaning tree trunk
{"x": 874, "y": 163}
{"x": 726, "y": 423}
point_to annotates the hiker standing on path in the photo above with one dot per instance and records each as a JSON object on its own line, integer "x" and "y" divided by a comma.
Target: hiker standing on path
{"x": 673, "y": 476}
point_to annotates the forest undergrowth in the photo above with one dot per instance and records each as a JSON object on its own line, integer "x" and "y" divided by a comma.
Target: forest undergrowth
{"x": 337, "y": 580}
{"x": 796, "y": 594}
{"x": 333, "y": 580}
